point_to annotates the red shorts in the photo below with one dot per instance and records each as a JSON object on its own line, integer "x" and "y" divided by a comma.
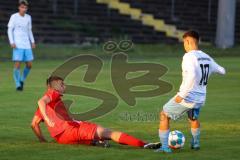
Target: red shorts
{"x": 82, "y": 134}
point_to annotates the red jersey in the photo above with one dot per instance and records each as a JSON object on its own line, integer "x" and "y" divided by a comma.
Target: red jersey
{"x": 57, "y": 112}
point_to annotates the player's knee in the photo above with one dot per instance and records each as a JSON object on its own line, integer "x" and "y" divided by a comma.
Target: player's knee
{"x": 17, "y": 65}
{"x": 29, "y": 66}
{"x": 194, "y": 123}
{"x": 103, "y": 133}
{"x": 33, "y": 124}
{"x": 107, "y": 133}
{"x": 163, "y": 116}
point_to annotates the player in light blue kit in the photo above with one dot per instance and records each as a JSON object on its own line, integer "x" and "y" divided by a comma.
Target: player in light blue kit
{"x": 21, "y": 40}
{"x": 197, "y": 66}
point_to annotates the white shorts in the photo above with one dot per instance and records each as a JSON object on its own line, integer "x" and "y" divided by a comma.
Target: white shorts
{"x": 176, "y": 110}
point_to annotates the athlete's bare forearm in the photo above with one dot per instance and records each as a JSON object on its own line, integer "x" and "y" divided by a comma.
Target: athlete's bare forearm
{"x": 35, "y": 125}
{"x": 37, "y": 131}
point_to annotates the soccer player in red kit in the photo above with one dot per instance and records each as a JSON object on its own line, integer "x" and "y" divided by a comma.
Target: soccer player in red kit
{"x": 66, "y": 130}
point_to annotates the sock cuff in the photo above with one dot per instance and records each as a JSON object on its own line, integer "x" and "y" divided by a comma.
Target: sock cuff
{"x": 122, "y": 136}
{"x": 195, "y": 131}
{"x": 130, "y": 140}
{"x": 163, "y": 133}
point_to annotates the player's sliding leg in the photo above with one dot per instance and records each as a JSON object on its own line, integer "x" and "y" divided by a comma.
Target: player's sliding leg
{"x": 123, "y": 138}
{"x": 25, "y": 73}
{"x": 119, "y": 137}
{"x": 17, "y": 75}
{"x": 164, "y": 132}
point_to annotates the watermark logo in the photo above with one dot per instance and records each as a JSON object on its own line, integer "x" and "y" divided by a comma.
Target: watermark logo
{"x": 112, "y": 46}
{"x": 139, "y": 116}
{"x": 121, "y": 82}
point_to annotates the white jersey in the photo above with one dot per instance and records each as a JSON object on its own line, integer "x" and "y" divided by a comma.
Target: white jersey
{"x": 20, "y": 31}
{"x": 197, "y": 67}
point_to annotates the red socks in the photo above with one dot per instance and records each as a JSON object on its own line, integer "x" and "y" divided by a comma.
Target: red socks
{"x": 130, "y": 140}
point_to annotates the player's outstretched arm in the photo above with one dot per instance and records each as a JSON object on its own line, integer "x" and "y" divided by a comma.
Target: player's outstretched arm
{"x": 217, "y": 68}
{"x": 42, "y": 103}
{"x": 35, "y": 125}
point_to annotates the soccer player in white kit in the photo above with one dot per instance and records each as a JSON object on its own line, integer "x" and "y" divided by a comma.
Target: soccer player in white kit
{"x": 197, "y": 66}
{"x": 21, "y": 40}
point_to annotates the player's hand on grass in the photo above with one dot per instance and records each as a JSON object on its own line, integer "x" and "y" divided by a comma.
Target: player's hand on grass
{"x": 50, "y": 122}
{"x": 33, "y": 45}
{"x": 13, "y": 45}
{"x": 42, "y": 140}
{"x": 178, "y": 99}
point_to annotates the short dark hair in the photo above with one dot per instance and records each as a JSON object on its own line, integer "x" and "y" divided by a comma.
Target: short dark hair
{"x": 23, "y": 2}
{"x": 53, "y": 78}
{"x": 193, "y": 34}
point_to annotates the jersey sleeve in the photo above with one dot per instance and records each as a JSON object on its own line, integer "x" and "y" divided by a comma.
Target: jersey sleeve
{"x": 217, "y": 68}
{"x": 38, "y": 114}
{"x": 30, "y": 30}
{"x": 11, "y": 22}
{"x": 53, "y": 95}
{"x": 188, "y": 66}
{"x": 10, "y": 30}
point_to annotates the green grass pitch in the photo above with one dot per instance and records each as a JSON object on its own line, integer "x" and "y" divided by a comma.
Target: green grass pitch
{"x": 220, "y": 123}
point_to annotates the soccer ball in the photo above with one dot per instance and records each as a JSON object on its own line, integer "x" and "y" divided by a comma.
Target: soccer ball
{"x": 176, "y": 139}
